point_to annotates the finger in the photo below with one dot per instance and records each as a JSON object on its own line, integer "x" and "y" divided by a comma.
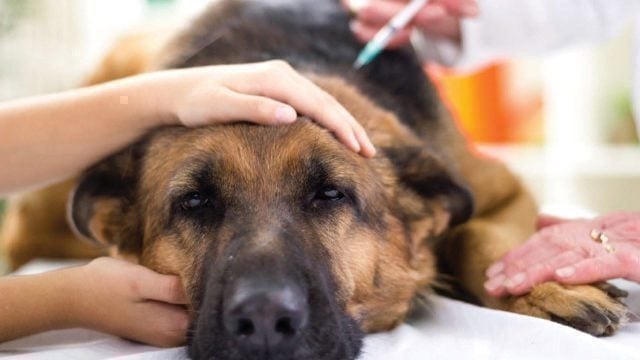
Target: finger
{"x": 159, "y": 324}
{"x": 495, "y": 286}
{"x": 522, "y": 257}
{"x": 439, "y": 18}
{"x": 549, "y": 220}
{"x": 354, "y": 6}
{"x": 539, "y": 247}
{"x": 366, "y": 146}
{"x": 342, "y": 129}
{"x": 164, "y": 288}
{"x": 349, "y": 5}
{"x": 365, "y": 33}
{"x": 257, "y": 109}
{"x": 282, "y": 83}
{"x": 539, "y": 255}
{"x": 278, "y": 81}
{"x": 614, "y": 219}
{"x": 367, "y": 149}
{"x": 261, "y": 110}
{"x": 354, "y": 130}
{"x": 326, "y": 111}
{"x": 629, "y": 255}
{"x": 591, "y": 270}
{"x": 377, "y": 13}
{"x": 495, "y": 269}
{"x": 544, "y": 243}
{"x": 429, "y": 15}
{"x": 435, "y": 21}
{"x": 460, "y": 8}
{"x": 323, "y": 109}
{"x": 523, "y": 282}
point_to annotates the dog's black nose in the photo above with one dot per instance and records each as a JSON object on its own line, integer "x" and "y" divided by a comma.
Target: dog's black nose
{"x": 265, "y": 316}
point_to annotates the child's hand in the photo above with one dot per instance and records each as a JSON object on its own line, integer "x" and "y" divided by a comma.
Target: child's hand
{"x": 96, "y": 121}
{"x": 266, "y": 93}
{"x": 438, "y": 18}
{"x": 130, "y": 301}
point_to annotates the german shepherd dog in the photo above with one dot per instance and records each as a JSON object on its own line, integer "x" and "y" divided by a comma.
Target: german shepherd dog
{"x": 289, "y": 245}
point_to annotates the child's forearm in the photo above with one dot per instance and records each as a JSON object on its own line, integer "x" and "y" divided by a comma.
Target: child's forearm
{"x": 35, "y": 303}
{"x": 48, "y": 138}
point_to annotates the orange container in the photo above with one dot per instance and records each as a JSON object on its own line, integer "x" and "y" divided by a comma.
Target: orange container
{"x": 486, "y": 107}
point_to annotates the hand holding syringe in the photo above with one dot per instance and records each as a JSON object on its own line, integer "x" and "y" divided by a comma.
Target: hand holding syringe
{"x": 437, "y": 18}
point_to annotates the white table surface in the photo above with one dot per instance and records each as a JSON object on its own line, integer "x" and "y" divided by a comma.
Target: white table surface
{"x": 454, "y": 330}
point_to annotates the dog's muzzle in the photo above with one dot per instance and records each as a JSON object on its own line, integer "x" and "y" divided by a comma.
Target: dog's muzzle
{"x": 265, "y": 316}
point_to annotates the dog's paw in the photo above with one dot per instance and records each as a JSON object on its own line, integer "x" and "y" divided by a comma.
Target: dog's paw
{"x": 594, "y": 309}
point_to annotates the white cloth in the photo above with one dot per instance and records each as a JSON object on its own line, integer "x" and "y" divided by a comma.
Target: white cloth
{"x": 452, "y": 330}
{"x": 508, "y": 28}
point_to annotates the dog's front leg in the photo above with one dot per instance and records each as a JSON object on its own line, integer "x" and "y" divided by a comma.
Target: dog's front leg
{"x": 471, "y": 248}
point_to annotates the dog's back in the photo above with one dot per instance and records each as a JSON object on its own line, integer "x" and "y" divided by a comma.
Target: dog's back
{"x": 312, "y": 36}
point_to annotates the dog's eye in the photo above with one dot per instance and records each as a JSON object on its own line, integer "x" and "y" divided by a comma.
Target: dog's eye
{"x": 329, "y": 193}
{"x": 194, "y": 201}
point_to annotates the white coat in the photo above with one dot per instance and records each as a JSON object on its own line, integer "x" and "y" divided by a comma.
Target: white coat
{"x": 507, "y": 28}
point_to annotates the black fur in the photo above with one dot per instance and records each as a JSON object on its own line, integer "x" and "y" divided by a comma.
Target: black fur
{"x": 116, "y": 177}
{"x": 425, "y": 175}
{"x": 330, "y": 335}
{"x": 313, "y": 36}
{"x": 253, "y": 31}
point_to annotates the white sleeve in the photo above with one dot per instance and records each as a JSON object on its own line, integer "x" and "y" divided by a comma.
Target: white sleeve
{"x": 508, "y": 28}
{"x": 635, "y": 93}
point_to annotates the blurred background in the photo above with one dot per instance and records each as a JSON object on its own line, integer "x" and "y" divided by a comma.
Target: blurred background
{"x": 562, "y": 122}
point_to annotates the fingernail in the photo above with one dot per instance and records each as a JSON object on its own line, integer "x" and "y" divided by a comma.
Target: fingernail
{"x": 372, "y": 149}
{"x": 515, "y": 280}
{"x": 357, "y": 5}
{"x": 470, "y": 9}
{"x": 355, "y": 145}
{"x": 368, "y": 150}
{"x": 286, "y": 114}
{"x": 354, "y": 26}
{"x": 494, "y": 283}
{"x": 566, "y": 271}
{"x": 434, "y": 11}
{"x": 494, "y": 269}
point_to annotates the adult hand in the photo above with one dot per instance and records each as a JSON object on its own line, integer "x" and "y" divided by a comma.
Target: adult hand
{"x": 564, "y": 251}
{"x": 267, "y": 93}
{"x": 130, "y": 301}
{"x": 438, "y": 18}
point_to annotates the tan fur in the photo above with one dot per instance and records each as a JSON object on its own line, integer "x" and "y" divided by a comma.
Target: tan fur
{"x": 379, "y": 306}
{"x": 35, "y": 226}
{"x": 134, "y": 53}
{"x": 379, "y": 299}
{"x": 35, "y": 222}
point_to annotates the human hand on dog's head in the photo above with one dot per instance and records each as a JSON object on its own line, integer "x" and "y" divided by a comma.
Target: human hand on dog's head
{"x": 438, "y": 18}
{"x": 570, "y": 252}
{"x": 268, "y": 93}
{"x": 130, "y": 301}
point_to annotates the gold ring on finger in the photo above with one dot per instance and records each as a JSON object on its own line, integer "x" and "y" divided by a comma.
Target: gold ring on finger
{"x": 600, "y": 237}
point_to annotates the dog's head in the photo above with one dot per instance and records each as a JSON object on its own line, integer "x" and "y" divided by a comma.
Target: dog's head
{"x": 289, "y": 245}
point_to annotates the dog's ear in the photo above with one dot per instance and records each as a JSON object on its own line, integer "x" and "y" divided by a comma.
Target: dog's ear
{"x": 102, "y": 207}
{"x": 438, "y": 189}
